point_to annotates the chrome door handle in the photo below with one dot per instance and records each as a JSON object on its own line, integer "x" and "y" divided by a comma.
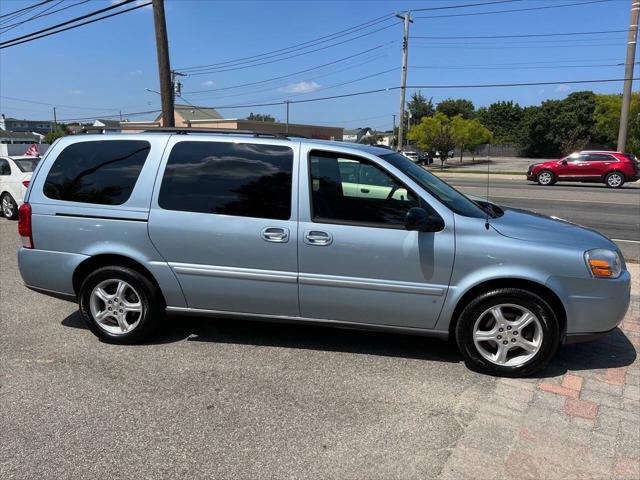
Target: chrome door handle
{"x": 317, "y": 237}
{"x": 275, "y": 234}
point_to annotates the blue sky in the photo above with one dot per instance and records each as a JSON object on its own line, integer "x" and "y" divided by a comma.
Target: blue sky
{"x": 105, "y": 67}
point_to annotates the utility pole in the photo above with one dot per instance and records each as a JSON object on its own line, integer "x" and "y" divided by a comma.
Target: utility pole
{"x": 393, "y": 131}
{"x": 403, "y": 81}
{"x": 628, "y": 75}
{"x": 55, "y": 120}
{"x": 164, "y": 70}
{"x": 287, "y": 124}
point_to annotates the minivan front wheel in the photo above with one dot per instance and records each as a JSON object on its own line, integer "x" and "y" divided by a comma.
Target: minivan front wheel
{"x": 120, "y": 305}
{"x": 508, "y": 332}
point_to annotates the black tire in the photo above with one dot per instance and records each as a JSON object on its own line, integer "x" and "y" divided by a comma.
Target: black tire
{"x": 149, "y": 296}
{"x": 614, "y": 180}
{"x": 515, "y": 296}
{"x": 541, "y": 179}
{"x": 10, "y": 206}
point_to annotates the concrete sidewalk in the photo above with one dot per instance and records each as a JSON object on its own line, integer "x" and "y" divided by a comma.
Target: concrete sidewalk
{"x": 577, "y": 423}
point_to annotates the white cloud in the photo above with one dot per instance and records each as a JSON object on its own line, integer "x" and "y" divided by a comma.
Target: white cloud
{"x": 208, "y": 83}
{"x": 301, "y": 87}
{"x": 136, "y": 73}
{"x": 75, "y": 92}
{"x": 562, "y": 88}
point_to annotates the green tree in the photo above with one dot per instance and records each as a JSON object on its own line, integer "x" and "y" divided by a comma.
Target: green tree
{"x": 434, "y": 133}
{"x": 607, "y": 118}
{"x": 558, "y": 127}
{"x": 469, "y": 134}
{"x": 504, "y": 119}
{"x": 60, "y": 131}
{"x": 260, "y": 117}
{"x": 607, "y": 121}
{"x": 420, "y": 107}
{"x": 459, "y": 106}
{"x": 370, "y": 139}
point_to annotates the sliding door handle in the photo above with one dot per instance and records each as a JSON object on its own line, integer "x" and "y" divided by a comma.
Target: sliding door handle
{"x": 317, "y": 237}
{"x": 275, "y": 234}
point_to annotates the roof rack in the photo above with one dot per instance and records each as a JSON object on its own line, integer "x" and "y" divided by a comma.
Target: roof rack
{"x": 187, "y": 130}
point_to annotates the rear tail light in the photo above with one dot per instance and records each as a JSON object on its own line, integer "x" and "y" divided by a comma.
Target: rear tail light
{"x": 25, "y": 183}
{"x": 24, "y": 225}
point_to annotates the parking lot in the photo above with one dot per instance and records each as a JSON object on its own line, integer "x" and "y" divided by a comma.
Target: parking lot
{"x": 239, "y": 399}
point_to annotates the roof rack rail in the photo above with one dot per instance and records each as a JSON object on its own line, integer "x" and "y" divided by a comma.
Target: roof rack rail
{"x": 187, "y": 130}
{"x": 225, "y": 131}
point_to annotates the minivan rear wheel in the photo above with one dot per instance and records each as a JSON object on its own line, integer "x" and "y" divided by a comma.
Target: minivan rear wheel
{"x": 508, "y": 332}
{"x": 120, "y": 305}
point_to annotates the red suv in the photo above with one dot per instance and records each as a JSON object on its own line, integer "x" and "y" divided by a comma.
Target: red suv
{"x": 611, "y": 168}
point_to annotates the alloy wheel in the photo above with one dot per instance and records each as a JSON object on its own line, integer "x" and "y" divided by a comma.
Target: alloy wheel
{"x": 614, "y": 180}
{"x": 507, "y": 335}
{"x": 545, "y": 178}
{"x": 7, "y": 207}
{"x": 116, "y": 306}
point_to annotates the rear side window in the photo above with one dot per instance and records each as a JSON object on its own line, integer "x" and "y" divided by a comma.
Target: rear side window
{"x": 102, "y": 172}
{"x": 601, "y": 157}
{"x": 240, "y": 179}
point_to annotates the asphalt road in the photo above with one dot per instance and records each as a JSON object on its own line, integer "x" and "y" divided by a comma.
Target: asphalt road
{"x": 615, "y": 213}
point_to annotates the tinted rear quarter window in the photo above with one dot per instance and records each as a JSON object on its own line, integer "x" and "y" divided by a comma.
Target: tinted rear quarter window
{"x": 240, "y": 179}
{"x": 101, "y": 172}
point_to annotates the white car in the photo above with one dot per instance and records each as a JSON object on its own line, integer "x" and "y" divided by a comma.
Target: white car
{"x": 15, "y": 173}
{"x": 413, "y": 156}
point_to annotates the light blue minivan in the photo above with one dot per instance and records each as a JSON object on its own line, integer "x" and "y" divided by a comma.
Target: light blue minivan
{"x": 136, "y": 225}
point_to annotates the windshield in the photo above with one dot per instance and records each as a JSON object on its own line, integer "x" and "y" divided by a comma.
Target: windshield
{"x": 444, "y": 192}
{"x": 26, "y": 164}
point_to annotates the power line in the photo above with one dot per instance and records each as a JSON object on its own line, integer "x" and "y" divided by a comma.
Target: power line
{"x": 74, "y": 107}
{"x": 126, "y": 114}
{"x": 348, "y": 121}
{"x": 30, "y": 7}
{"x": 11, "y": 26}
{"x": 269, "y": 89}
{"x": 387, "y": 89}
{"x": 207, "y": 72}
{"x": 104, "y": 17}
{"x": 463, "y": 6}
{"x": 515, "y": 9}
{"x": 555, "y": 34}
{"x": 329, "y": 87}
{"x": 526, "y": 84}
{"x": 524, "y": 67}
{"x": 379, "y": 90}
{"x": 555, "y": 41}
{"x": 502, "y": 46}
{"x": 6, "y": 28}
{"x": 73, "y": 20}
{"x": 314, "y": 42}
{"x": 279, "y": 77}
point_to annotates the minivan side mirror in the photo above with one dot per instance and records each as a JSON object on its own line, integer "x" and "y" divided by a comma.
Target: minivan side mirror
{"x": 417, "y": 219}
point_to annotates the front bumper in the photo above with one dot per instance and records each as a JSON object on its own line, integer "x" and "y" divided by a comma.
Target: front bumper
{"x": 593, "y": 305}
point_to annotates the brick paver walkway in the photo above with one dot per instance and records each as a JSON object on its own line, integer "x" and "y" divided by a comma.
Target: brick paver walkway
{"x": 579, "y": 420}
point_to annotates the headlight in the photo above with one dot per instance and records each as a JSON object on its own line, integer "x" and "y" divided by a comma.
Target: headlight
{"x": 603, "y": 263}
